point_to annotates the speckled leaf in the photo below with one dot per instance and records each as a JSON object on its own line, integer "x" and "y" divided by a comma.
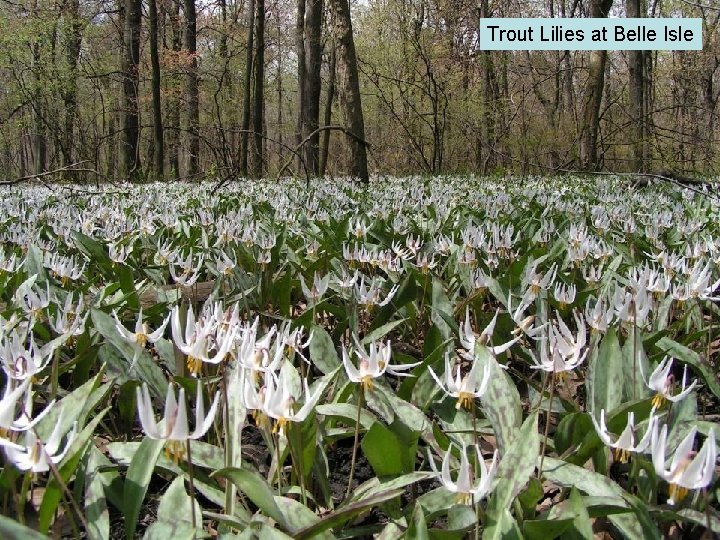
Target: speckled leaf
{"x": 604, "y": 381}
{"x": 500, "y": 402}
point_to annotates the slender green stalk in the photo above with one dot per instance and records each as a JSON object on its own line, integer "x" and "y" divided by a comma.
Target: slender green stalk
{"x": 192, "y": 487}
{"x": 279, "y": 465}
{"x": 477, "y": 468}
{"x": 355, "y": 444}
{"x": 27, "y": 479}
{"x": 295, "y": 449}
{"x": 67, "y": 494}
{"x": 547, "y": 424}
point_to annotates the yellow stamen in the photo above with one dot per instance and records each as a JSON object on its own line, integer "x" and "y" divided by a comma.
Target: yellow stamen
{"x": 658, "y": 401}
{"x": 280, "y": 425}
{"x": 677, "y": 493}
{"x": 367, "y": 383}
{"x": 175, "y": 450}
{"x": 621, "y": 455}
{"x": 465, "y": 400}
{"x": 194, "y": 365}
{"x": 464, "y": 498}
{"x": 141, "y": 339}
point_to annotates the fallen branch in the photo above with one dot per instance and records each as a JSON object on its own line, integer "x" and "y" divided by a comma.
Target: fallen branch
{"x": 38, "y": 176}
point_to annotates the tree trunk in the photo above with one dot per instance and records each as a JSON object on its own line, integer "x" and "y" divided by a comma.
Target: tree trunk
{"x": 173, "y": 102}
{"x": 300, "y": 51}
{"x": 158, "y": 142}
{"x": 636, "y": 85}
{"x": 258, "y": 90}
{"x": 131, "y": 80}
{"x": 73, "y": 38}
{"x": 593, "y": 96}
{"x": 310, "y": 109}
{"x": 327, "y": 117}
{"x": 247, "y": 91}
{"x": 191, "y": 85}
{"x": 349, "y": 89}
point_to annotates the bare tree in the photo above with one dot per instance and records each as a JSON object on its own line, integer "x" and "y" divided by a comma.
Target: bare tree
{"x": 158, "y": 140}
{"x": 191, "y": 85}
{"x": 349, "y": 89}
{"x": 131, "y": 81}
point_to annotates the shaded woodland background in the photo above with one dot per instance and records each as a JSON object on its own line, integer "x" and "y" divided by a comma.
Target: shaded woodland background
{"x": 170, "y": 89}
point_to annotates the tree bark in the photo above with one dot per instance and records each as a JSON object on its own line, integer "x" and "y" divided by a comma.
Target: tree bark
{"x": 327, "y": 117}
{"x": 131, "y": 80}
{"x": 593, "y": 96}
{"x": 191, "y": 85}
{"x": 73, "y": 37}
{"x": 247, "y": 91}
{"x": 300, "y": 51}
{"x": 258, "y": 89}
{"x": 310, "y": 108}
{"x": 636, "y": 84}
{"x": 158, "y": 139}
{"x": 349, "y": 89}
{"x": 173, "y": 102}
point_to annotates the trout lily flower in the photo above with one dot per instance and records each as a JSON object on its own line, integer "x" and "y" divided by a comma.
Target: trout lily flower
{"x": 34, "y": 455}
{"x": 8, "y": 405}
{"x": 468, "y": 491}
{"x": 464, "y": 389}
{"x": 684, "y": 473}
{"x": 175, "y": 429}
{"x": 625, "y": 443}
{"x": 373, "y": 364}
{"x": 280, "y": 400}
{"x": 319, "y": 287}
{"x": 562, "y": 351}
{"x": 198, "y": 340}
{"x": 142, "y": 334}
{"x": 469, "y": 339}
{"x": 661, "y": 381}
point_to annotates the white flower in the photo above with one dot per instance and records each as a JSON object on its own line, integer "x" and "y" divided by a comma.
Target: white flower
{"x": 142, "y": 334}
{"x": 625, "y": 442}
{"x": 175, "y": 429}
{"x": 684, "y": 474}
{"x": 34, "y": 455}
{"x": 319, "y": 287}
{"x": 373, "y": 364}
{"x": 563, "y": 351}
{"x": 8, "y": 405}
{"x": 199, "y": 341}
{"x": 22, "y": 359}
{"x": 279, "y": 401}
{"x": 466, "y": 388}
{"x": 468, "y": 491}
{"x": 469, "y": 339}
{"x": 662, "y": 383}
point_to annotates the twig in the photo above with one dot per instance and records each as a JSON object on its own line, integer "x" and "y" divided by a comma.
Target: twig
{"x": 66, "y": 168}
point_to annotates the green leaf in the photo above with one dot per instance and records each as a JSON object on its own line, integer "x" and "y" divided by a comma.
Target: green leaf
{"x": 605, "y": 375}
{"x": 502, "y": 527}
{"x": 299, "y": 516}
{"x": 53, "y": 492}
{"x": 381, "y": 332}
{"x": 573, "y": 508}
{"x": 418, "y": 527}
{"x": 634, "y": 363}
{"x": 634, "y": 526}
{"x": 501, "y": 401}
{"x": 384, "y": 451}
{"x": 96, "y": 511}
{"x": 346, "y": 513}
{"x": 680, "y": 352}
{"x": 174, "y": 516}
{"x": 517, "y": 465}
{"x": 322, "y": 351}
{"x": 9, "y": 528}
{"x": 256, "y": 489}
{"x": 148, "y": 371}
{"x": 348, "y": 412}
{"x": 137, "y": 480}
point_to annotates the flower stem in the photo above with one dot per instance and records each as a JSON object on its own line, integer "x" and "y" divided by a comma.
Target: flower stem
{"x": 355, "y": 443}
{"x": 547, "y": 424}
{"x": 192, "y": 487}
